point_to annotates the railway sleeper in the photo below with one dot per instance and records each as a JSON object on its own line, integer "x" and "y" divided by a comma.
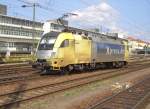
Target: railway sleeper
{"x": 125, "y": 102}
{"x": 113, "y": 106}
{"x": 129, "y": 97}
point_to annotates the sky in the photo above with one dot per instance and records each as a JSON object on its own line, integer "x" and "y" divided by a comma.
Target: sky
{"x": 127, "y": 17}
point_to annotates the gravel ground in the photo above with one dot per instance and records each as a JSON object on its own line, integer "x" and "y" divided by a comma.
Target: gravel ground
{"x": 82, "y": 97}
{"x": 148, "y": 106}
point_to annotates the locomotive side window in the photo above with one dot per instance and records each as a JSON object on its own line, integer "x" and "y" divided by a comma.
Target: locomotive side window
{"x": 65, "y": 43}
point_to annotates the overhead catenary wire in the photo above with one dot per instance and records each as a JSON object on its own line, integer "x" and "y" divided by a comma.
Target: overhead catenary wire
{"x": 137, "y": 26}
{"x": 43, "y": 7}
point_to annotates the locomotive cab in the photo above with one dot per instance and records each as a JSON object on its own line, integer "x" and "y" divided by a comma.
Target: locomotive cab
{"x": 62, "y": 50}
{"x": 45, "y": 48}
{"x": 52, "y": 49}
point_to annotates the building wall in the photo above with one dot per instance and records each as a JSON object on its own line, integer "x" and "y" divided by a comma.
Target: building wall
{"x": 52, "y": 25}
{"x": 136, "y": 45}
{"x": 3, "y": 9}
{"x": 133, "y": 45}
{"x": 18, "y": 34}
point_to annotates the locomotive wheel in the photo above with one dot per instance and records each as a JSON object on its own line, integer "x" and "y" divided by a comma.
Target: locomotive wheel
{"x": 34, "y": 66}
{"x": 122, "y": 64}
{"x": 67, "y": 70}
{"x": 44, "y": 72}
{"x": 64, "y": 71}
{"x": 70, "y": 68}
{"x": 119, "y": 64}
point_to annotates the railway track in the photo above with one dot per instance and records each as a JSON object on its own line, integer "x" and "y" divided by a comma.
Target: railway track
{"x": 138, "y": 57}
{"x": 17, "y": 73}
{"x": 29, "y": 73}
{"x": 11, "y": 67}
{"x": 23, "y": 94}
{"x": 17, "y": 78}
{"x": 19, "y": 68}
{"x": 131, "y": 98}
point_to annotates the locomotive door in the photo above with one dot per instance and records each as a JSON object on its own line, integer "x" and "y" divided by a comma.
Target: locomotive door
{"x": 83, "y": 51}
{"x": 66, "y": 52}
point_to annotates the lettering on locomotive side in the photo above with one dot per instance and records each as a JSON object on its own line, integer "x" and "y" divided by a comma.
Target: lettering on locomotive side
{"x": 114, "y": 51}
{"x": 109, "y": 49}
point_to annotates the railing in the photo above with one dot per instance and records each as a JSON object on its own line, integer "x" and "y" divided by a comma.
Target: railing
{"x": 15, "y": 49}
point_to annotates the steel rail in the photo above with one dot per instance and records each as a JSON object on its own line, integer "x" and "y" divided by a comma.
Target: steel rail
{"x": 53, "y": 88}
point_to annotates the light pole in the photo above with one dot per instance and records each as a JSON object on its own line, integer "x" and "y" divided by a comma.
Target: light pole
{"x": 33, "y": 25}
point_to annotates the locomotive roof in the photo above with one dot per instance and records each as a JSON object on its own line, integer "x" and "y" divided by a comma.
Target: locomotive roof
{"x": 91, "y": 33}
{"x": 52, "y": 33}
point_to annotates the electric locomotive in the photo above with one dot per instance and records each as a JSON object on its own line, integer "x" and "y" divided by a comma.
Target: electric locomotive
{"x": 69, "y": 50}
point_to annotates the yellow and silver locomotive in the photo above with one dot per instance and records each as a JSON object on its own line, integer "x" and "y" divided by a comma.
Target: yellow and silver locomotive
{"x": 67, "y": 51}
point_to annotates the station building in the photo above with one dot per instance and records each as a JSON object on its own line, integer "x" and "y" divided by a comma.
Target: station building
{"x": 18, "y": 35}
{"x": 138, "y": 46}
{"x": 3, "y": 9}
